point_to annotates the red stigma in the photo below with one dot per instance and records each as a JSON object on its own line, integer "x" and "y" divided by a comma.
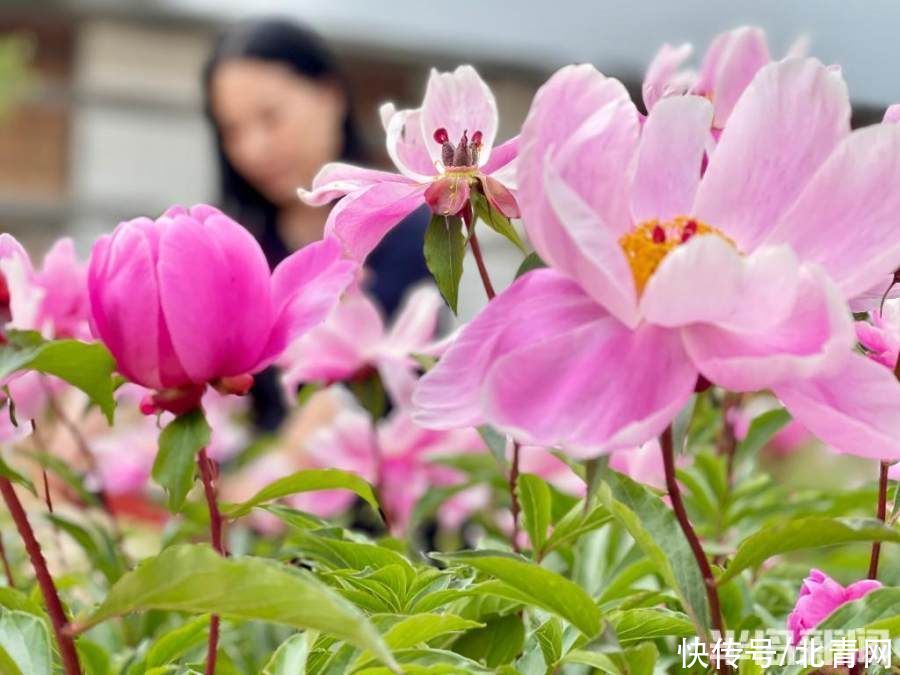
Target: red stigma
{"x": 476, "y": 138}
{"x": 689, "y": 230}
{"x": 441, "y": 136}
{"x": 659, "y": 235}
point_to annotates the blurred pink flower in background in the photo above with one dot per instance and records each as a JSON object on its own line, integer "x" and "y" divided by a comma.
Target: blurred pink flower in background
{"x": 440, "y": 149}
{"x": 52, "y": 300}
{"x": 787, "y": 439}
{"x": 188, "y": 299}
{"x": 727, "y": 68}
{"x": 354, "y": 340}
{"x": 396, "y": 456}
{"x": 659, "y": 274}
{"x": 820, "y": 595}
{"x": 881, "y": 337}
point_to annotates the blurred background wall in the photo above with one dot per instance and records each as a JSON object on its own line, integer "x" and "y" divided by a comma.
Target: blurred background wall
{"x": 107, "y": 120}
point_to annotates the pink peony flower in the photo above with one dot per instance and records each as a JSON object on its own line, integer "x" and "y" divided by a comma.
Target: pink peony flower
{"x": 730, "y": 62}
{"x": 820, "y": 595}
{"x": 187, "y": 300}
{"x": 881, "y": 337}
{"x": 658, "y": 274}
{"x": 53, "y": 299}
{"x": 441, "y": 150}
{"x": 397, "y": 456}
{"x": 354, "y": 340}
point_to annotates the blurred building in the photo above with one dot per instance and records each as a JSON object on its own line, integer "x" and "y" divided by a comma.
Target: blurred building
{"x": 110, "y": 125}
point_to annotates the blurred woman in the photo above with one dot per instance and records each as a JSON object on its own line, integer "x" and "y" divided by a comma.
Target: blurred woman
{"x": 280, "y": 110}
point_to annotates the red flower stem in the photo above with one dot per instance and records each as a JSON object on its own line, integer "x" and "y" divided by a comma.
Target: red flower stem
{"x": 712, "y": 594}
{"x": 469, "y": 220}
{"x": 882, "y": 516}
{"x": 514, "y": 496}
{"x": 10, "y": 580}
{"x": 207, "y": 476}
{"x": 476, "y": 252}
{"x": 67, "y": 652}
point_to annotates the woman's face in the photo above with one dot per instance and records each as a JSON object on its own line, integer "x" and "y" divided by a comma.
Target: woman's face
{"x": 278, "y": 128}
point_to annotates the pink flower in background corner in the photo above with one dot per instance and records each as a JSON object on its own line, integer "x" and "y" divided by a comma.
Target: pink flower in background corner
{"x": 881, "y": 337}
{"x": 188, "y": 299}
{"x": 354, "y": 339}
{"x": 52, "y": 300}
{"x": 659, "y": 274}
{"x": 441, "y": 150}
{"x": 728, "y": 67}
{"x": 820, "y": 595}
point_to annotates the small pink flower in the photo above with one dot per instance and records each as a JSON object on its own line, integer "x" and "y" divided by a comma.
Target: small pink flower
{"x": 188, "y": 300}
{"x": 442, "y": 151}
{"x": 354, "y": 340}
{"x": 820, "y": 596}
{"x": 659, "y": 273}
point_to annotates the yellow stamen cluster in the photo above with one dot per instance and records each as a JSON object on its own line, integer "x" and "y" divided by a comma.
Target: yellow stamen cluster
{"x": 647, "y": 244}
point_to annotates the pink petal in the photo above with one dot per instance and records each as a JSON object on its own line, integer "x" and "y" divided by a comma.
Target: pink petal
{"x": 661, "y": 72}
{"x": 501, "y": 156}
{"x": 892, "y": 114}
{"x": 305, "y": 288}
{"x": 66, "y": 305}
{"x": 214, "y": 291}
{"x": 855, "y": 410}
{"x": 846, "y": 217}
{"x": 362, "y": 219}
{"x": 448, "y": 195}
{"x": 782, "y": 129}
{"x": 459, "y": 101}
{"x": 564, "y": 195}
{"x": 593, "y": 389}
{"x": 336, "y": 349}
{"x": 335, "y": 180}
{"x": 500, "y": 197}
{"x": 729, "y": 68}
{"x": 707, "y": 281}
{"x": 673, "y": 141}
{"x": 21, "y": 284}
{"x": 417, "y": 321}
{"x": 813, "y": 339}
{"x": 860, "y": 589}
{"x": 125, "y": 304}
{"x": 540, "y": 304}
{"x": 406, "y": 144}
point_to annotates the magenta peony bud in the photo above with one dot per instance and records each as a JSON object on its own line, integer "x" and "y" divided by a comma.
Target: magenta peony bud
{"x": 187, "y": 299}
{"x": 819, "y": 596}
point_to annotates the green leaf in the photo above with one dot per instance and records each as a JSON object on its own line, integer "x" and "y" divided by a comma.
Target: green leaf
{"x": 656, "y": 531}
{"x": 445, "y": 246}
{"x": 87, "y": 366}
{"x": 550, "y": 638}
{"x": 532, "y": 262}
{"x": 306, "y": 481}
{"x": 576, "y": 523}
{"x": 495, "y": 220}
{"x": 343, "y": 554}
{"x": 6, "y": 471}
{"x": 13, "y": 599}
{"x": 26, "y": 641}
{"x": 178, "y": 642}
{"x": 496, "y": 443}
{"x": 597, "y": 660}
{"x": 290, "y": 657}
{"x": 636, "y": 625}
{"x": 194, "y": 579}
{"x": 761, "y": 431}
{"x": 536, "y": 500}
{"x": 544, "y": 588}
{"x": 175, "y": 462}
{"x": 98, "y": 547}
{"x": 804, "y": 533}
{"x": 419, "y": 629}
{"x": 640, "y": 659}
{"x": 498, "y": 642}
{"x": 370, "y": 394}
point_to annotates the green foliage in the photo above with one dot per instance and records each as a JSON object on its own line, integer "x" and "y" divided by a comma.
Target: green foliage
{"x": 496, "y": 220}
{"x": 175, "y": 465}
{"x": 445, "y": 247}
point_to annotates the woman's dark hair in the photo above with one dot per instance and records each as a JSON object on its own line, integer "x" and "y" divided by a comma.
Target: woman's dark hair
{"x": 304, "y": 52}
